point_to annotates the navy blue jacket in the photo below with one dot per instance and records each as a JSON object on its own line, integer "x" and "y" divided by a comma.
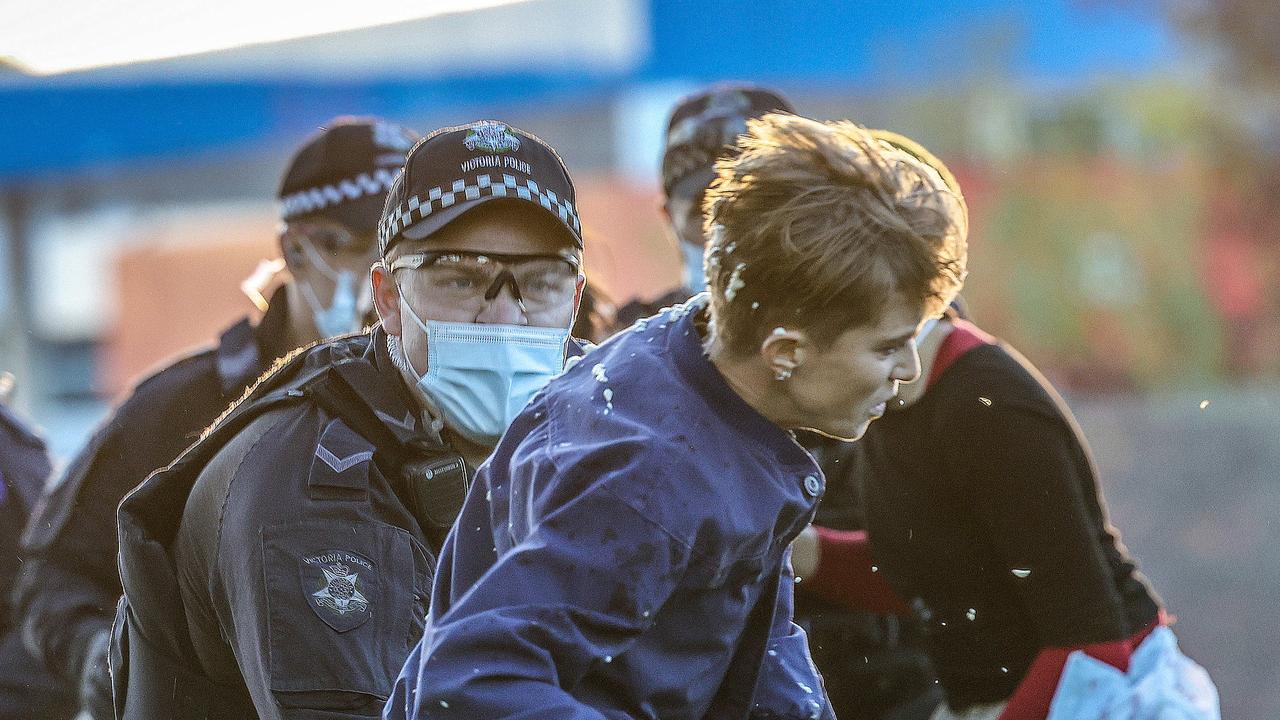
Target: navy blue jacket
{"x": 625, "y": 553}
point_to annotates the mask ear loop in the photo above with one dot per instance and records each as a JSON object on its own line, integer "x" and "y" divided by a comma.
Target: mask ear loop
{"x": 317, "y": 259}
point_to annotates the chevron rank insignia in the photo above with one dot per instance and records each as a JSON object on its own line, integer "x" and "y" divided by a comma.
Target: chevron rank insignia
{"x": 340, "y": 463}
{"x": 340, "y": 586}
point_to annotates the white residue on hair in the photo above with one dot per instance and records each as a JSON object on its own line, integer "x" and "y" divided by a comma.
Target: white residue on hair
{"x": 755, "y": 305}
{"x": 971, "y": 613}
{"x": 779, "y": 331}
{"x": 735, "y": 282}
{"x": 1020, "y": 572}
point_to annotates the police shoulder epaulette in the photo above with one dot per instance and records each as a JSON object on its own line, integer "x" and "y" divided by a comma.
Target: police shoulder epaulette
{"x": 340, "y": 464}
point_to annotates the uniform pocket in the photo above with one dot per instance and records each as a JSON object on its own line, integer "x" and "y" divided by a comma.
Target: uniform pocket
{"x": 341, "y": 599}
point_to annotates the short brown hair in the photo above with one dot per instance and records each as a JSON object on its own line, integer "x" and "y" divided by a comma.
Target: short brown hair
{"x": 816, "y": 224}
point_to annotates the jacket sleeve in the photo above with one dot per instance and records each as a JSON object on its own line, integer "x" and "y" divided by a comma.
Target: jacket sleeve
{"x": 1027, "y": 488}
{"x": 580, "y": 584}
{"x": 67, "y": 589}
{"x": 308, "y": 581}
{"x": 790, "y": 686}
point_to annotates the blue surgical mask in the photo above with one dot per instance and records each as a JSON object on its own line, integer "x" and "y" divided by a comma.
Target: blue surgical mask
{"x": 695, "y": 278}
{"x": 481, "y": 376}
{"x": 345, "y": 311}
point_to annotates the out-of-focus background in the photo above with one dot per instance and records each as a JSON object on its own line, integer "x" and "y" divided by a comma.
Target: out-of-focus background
{"x": 1121, "y": 160}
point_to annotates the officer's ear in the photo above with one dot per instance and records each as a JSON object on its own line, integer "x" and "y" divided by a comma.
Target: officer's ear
{"x": 386, "y": 297}
{"x": 289, "y": 249}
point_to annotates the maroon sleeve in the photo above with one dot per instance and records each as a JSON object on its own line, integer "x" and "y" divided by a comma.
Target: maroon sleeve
{"x": 1035, "y": 693}
{"x": 1031, "y": 700}
{"x": 846, "y": 574}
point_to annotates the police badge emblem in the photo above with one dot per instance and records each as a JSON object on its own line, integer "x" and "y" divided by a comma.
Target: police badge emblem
{"x": 338, "y": 585}
{"x": 494, "y": 137}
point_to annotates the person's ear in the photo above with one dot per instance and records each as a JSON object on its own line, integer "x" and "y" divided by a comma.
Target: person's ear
{"x": 386, "y": 298}
{"x": 666, "y": 210}
{"x": 289, "y": 248}
{"x": 784, "y": 351}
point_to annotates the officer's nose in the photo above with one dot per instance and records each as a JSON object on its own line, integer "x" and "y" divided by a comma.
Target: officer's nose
{"x": 504, "y": 309}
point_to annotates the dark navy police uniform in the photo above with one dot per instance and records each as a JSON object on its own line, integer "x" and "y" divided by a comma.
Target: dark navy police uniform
{"x": 68, "y": 587}
{"x": 625, "y": 553}
{"x": 281, "y": 567}
{"x": 27, "y": 692}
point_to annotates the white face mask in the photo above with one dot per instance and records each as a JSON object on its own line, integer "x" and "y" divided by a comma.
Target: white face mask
{"x": 481, "y": 376}
{"x": 346, "y": 309}
{"x": 695, "y": 277}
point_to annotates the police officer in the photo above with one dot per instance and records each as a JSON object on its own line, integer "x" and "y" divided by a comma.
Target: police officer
{"x": 331, "y": 200}
{"x": 703, "y": 126}
{"x": 874, "y": 666}
{"x": 281, "y": 568}
{"x": 27, "y": 691}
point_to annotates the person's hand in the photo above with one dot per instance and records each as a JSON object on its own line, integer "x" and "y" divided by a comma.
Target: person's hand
{"x": 95, "y": 679}
{"x": 805, "y": 553}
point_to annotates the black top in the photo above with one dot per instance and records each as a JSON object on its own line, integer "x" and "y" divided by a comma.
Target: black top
{"x": 874, "y": 666}
{"x": 984, "y": 510}
{"x": 68, "y": 586}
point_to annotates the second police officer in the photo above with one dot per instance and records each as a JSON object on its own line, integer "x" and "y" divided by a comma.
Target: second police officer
{"x": 331, "y": 199}
{"x": 281, "y": 567}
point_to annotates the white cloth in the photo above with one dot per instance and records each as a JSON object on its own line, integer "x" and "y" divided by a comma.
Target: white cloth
{"x": 984, "y": 711}
{"x": 1162, "y": 684}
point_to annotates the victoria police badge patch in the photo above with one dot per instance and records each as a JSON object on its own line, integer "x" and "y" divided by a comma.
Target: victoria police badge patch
{"x": 340, "y": 586}
{"x": 494, "y": 137}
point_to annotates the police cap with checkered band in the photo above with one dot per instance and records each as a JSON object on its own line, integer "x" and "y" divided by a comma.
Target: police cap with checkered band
{"x": 456, "y": 169}
{"x": 342, "y": 172}
{"x": 705, "y": 126}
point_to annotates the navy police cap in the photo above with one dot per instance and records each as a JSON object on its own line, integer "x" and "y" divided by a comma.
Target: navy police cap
{"x": 456, "y": 169}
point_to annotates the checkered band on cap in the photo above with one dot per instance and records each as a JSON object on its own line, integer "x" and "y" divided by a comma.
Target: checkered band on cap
{"x": 363, "y": 185}
{"x": 419, "y": 207}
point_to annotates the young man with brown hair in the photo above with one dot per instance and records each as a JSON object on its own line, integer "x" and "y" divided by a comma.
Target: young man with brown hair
{"x": 625, "y": 551}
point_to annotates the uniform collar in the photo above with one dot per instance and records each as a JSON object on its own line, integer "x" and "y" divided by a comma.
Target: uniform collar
{"x": 245, "y": 351}
{"x": 429, "y": 417}
{"x": 271, "y": 334}
{"x": 685, "y": 342}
